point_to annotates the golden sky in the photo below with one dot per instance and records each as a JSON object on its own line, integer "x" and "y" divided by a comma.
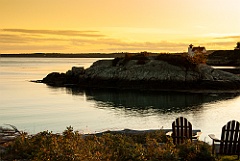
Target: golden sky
{"x": 83, "y": 26}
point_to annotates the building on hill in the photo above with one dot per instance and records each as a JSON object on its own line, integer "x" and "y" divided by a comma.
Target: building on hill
{"x": 192, "y": 51}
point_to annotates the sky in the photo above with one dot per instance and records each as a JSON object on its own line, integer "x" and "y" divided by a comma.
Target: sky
{"x": 107, "y": 26}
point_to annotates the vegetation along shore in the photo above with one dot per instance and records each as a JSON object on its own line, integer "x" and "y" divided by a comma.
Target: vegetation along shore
{"x": 109, "y": 145}
{"x": 71, "y": 145}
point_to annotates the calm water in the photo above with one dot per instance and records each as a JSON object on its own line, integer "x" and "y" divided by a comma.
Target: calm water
{"x": 34, "y": 107}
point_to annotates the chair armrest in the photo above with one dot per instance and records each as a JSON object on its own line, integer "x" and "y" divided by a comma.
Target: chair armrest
{"x": 213, "y": 137}
{"x": 169, "y": 133}
{"x": 197, "y": 135}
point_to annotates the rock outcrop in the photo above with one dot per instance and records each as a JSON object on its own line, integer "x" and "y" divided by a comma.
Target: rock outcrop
{"x": 147, "y": 73}
{"x": 224, "y": 58}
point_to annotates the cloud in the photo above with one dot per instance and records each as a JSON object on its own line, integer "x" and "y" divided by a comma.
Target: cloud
{"x": 20, "y": 48}
{"x": 118, "y": 45}
{"x": 7, "y": 38}
{"x": 118, "y": 42}
{"x": 17, "y": 39}
{"x": 221, "y": 45}
{"x": 57, "y": 32}
{"x": 74, "y": 41}
{"x": 153, "y": 45}
{"x": 229, "y": 37}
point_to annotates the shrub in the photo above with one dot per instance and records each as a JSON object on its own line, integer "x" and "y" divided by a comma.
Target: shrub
{"x": 195, "y": 151}
{"x": 182, "y": 60}
{"x": 197, "y": 59}
{"x": 70, "y": 145}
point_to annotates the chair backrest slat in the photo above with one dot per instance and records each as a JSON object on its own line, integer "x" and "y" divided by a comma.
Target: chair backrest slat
{"x": 230, "y": 138}
{"x": 232, "y": 129}
{"x": 236, "y": 144}
{"x": 182, "y": 130}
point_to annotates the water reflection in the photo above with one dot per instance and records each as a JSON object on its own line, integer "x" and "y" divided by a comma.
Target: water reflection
{"x": 144, "y": 102}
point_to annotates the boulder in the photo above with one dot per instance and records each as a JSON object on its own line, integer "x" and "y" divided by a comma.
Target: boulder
{"x": 76, "y": 71}
{"x": 55, "y": 79}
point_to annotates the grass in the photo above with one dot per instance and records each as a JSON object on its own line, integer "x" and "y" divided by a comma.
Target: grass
{"x": 228, "y": 158}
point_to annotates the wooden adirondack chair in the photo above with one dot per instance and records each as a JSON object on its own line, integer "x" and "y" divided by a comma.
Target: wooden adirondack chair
{"x": 182, "y": 131}
{"x": 230, "y": 141}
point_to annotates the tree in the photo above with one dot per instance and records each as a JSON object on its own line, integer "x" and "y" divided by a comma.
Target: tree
{"x": 238, "y": 46}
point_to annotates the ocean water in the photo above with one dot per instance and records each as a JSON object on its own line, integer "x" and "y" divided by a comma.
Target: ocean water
{"x": 34, "y": 107}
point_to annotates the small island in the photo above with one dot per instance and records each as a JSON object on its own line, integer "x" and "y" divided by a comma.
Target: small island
{"x": 142, "y": 71}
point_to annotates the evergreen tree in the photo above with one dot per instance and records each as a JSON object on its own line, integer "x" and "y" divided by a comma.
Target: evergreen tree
{"x": 238, "y": 46}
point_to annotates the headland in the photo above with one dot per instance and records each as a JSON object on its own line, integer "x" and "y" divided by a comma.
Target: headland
{"x": 164, "y": 72}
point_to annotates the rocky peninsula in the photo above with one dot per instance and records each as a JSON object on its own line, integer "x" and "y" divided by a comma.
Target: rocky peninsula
{"x": 165, "y": 72}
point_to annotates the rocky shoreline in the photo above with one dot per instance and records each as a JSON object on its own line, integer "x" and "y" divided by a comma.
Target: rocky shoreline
{"x": 160, "y": 73}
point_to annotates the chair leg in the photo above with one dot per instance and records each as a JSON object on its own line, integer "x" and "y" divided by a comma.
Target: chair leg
{"x": 213, "y": 147}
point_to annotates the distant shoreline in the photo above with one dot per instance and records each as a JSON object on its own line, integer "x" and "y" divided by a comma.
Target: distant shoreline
{"x": 60, "y": 55}
{"x": 70, "y": 55}
{"x": 77, "y": 55}
{"x": 214, "y": 57}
